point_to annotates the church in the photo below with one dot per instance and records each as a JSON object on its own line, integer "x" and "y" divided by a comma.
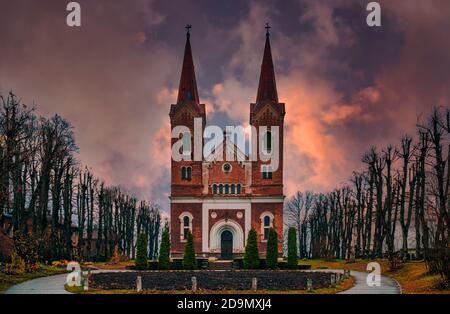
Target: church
{"x": 217, "y": 200}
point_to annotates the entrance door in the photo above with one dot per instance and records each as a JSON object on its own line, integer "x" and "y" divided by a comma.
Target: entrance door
{"x": 226, "y": 245}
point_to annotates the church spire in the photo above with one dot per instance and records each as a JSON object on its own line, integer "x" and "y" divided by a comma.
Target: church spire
{"x": 188, "y": 85}
{"x": 267, "y": 89}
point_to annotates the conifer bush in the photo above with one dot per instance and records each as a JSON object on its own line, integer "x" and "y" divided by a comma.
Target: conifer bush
{"x": 164, "y": 250}
{"x": 251, "y": 255}
{"x": 292, "y": 249}
{"x": 141, "y": 261}
{"x": 189, "y": 260}
{"x": 272, "y": 249}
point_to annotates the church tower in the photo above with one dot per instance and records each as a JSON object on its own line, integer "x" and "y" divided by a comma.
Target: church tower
{"x": 268, "y": 112}
{"x": 267, "y": 183}
{"x": 186, "y": 175}
{"x": 218, "y": 200}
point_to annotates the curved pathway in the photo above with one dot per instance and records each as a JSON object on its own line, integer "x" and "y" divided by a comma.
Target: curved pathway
{"x": 388, "y": 285}
{"x": 55, "y": 284}
{"x": 44, "y": 285}
{"x": 48, "y": 285}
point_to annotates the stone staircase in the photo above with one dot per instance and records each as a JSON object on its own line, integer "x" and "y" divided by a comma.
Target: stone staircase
{"x": 221, "y": 265}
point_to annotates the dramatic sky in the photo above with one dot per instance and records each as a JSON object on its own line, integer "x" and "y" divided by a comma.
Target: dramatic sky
{"x": 346, "y": 86}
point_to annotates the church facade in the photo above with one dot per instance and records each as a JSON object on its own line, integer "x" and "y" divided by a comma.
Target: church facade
{"x": 219, "y": 201}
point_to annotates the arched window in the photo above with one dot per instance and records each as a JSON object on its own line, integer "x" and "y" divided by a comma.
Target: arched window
{"x": 266, "y": 227}
{"x": 183, "y": 173}
{"x": 220, "y": 188}
{"x": 188, "y": 173}
{"x": 185, "y": 225}
{"x": 233, "y": 189}
{"x": 214, "y": 188}
{"x": 238, "y": 189}
{"x": 266, "y": 224}
{"x": 227, "y": 189}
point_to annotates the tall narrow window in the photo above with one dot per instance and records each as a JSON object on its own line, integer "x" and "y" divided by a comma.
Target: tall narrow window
{"x": 214, "y": 188}
{"x": 185, "y": 227}
{"x": 266, "y": 227}
{"x": 238, "y": 189}
{"x": 233, "y": 189}
{"x": 220, "y": 188}
{"x": 266, "y": 223}
{"x": 227, "y": 189}
{"x": 183, "y": 173}
{"x": 188, "y": 173}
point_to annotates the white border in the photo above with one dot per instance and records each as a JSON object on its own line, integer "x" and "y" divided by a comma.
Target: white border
{"x": 232, "y": 226}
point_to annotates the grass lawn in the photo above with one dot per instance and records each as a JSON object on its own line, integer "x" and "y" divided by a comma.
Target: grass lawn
{"x": 412, "y": 276}
{"x": 344, "y": 285}
{"x": 7, "y": 281}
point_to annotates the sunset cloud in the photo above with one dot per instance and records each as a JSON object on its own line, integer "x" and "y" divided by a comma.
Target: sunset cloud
{"x": 346, "y": 86}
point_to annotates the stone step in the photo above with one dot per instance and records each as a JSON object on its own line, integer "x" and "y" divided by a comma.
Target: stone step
{"x": 221, "y": 265}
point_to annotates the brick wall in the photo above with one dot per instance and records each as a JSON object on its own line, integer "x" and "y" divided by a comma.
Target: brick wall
{"x": 277, "y": 210}
{"x": 175, "y": 211}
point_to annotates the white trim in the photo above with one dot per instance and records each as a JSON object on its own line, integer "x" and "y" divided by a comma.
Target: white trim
{"x": 223, "y": 199}
{"x": 205, "y": 224}
{"x": 234, "y": 228}
{"x": 218, "y": 203}
{"x": 261, "y": 218}
{"x": 223, "y": 167}
{"x": 267, "y": 213}
{"x": 181, "y": 218}
{"x": 184, "y": 214}
{"x": 236, "y": 204}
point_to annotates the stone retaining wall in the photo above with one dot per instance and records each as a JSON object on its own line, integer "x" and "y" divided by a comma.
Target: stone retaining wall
{"x": 211, "y": 280}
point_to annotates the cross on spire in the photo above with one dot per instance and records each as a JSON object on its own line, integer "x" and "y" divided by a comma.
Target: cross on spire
{"x": 267, "y": 89}
{"x": 188, "y": 86}
{"x": 188, "y": 30}
{"x": 267, "y": 29}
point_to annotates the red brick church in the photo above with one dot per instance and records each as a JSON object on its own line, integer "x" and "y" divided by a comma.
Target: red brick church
{"x": 220, "y": 201}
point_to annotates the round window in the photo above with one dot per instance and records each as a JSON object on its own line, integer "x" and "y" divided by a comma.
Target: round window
{"x": 226, "y": 167}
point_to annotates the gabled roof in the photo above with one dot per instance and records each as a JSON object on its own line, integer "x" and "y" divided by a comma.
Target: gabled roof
{"x": 229, "y": 145}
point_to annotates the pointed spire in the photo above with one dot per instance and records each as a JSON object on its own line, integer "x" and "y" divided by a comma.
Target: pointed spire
{"x": 267, "y": 89}
{"x": 188, "y": 84}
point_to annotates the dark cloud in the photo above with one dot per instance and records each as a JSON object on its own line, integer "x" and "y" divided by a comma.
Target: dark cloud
{"x": 346, "y": 86}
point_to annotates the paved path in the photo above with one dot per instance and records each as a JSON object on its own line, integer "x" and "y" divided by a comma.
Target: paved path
{"x": 55, "y": 285}
{"x": 44, "y": 285}
{"x": 47, "y": 285}
{"x": 388, "y": 285}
